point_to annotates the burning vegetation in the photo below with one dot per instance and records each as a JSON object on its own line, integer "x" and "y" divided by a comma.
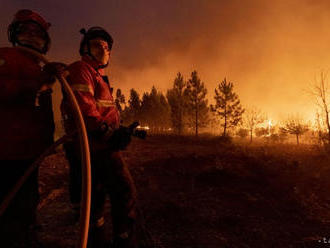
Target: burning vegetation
{"x": 185, "y": 110}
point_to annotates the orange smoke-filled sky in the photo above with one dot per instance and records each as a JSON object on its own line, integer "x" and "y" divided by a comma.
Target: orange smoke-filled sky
{"x": 271, "y": 50}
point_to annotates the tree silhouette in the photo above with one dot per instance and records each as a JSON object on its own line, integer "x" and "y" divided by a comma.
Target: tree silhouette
{"x": 320, "y": 90}
{"x": 133, "y": 110}
{"x": 120, "y": 100}
{"x": 242, "y": 132}
{"x": 176, "y": 100}
{"x": 296, "y": 126}
{"x": 228, "y": 106}
{"x": 196, "y": 104}
{"x": 261, "y": 131}
{"x": 321, "y": 132}
{"x": 252, "y": 118}
{"x": 155, "y": 111}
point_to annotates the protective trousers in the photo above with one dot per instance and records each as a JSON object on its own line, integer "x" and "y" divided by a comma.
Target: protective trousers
{"x": 110, "y": 177}
{"x": 74, "y": 172}
{"x": 21, "y": 213}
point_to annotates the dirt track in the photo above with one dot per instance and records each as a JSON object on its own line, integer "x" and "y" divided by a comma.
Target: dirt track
{"x": 205, "y": 194}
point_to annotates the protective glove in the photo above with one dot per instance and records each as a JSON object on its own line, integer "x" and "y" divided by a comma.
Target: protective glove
{"x": 120, "y": 138}
{"x": 53, "y": 69}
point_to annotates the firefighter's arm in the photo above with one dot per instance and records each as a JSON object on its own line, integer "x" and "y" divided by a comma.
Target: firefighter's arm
{"x": 48, "y": 78}
{"x": 81, "y": 82}
{"x": 49, "y": 73}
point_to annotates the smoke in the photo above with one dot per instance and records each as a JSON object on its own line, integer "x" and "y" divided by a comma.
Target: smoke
{"x": 270, "y": 50}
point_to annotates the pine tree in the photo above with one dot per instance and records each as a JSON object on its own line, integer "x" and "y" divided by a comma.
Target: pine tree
{"x": 120, "y": 100}
{"x": 164, "y": 112}
{"x": 176, "y": 100}
{"x": 155, "y": 110}
{"x": 228, "y": 106}
{"x": 196, "y": 103}
{"x": 133, "y": 111}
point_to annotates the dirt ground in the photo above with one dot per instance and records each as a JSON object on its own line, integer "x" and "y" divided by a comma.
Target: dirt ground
{"x": 207, "y": 194}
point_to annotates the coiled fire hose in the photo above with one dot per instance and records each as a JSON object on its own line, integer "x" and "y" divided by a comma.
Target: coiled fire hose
{"x": 85, "y": 156}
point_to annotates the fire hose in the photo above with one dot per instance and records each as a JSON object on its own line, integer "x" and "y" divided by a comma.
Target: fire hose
{"x": 85, "y": 155}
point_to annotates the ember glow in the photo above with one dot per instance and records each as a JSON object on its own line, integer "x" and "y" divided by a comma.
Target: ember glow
{"x": 269, "y": 123}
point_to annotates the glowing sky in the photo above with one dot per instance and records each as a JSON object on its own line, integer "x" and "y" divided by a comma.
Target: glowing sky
{"x": 270, "y": 50}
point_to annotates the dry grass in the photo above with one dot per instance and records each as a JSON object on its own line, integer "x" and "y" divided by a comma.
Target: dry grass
{"x": 204, "y": 193}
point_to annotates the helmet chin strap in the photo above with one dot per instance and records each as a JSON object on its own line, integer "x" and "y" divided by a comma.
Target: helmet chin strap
{"x": 103, "y": 66}
{"x": 99, "y": 66}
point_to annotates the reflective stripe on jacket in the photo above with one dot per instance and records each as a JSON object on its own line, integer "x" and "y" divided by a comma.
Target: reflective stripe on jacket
{"x": 94, "y": 97}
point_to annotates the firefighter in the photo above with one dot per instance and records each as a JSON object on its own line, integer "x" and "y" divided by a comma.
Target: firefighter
{"x": 27, "y": 125}
{"x": 110, "y": 175}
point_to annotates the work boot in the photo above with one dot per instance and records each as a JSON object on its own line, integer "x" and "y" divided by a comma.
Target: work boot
{"x": 96, "y": 239}
{"x": 120, "y": 243}
{"x": 125, "y": 240}
{"x": 97, "y": 236}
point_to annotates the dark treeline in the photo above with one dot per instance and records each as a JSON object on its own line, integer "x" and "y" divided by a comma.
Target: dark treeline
{"x": 184, "y": 109}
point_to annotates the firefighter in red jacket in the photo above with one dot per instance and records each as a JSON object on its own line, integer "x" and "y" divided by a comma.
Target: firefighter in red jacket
{"x": 110, "y": 175}
{"x": 26, "y": 126}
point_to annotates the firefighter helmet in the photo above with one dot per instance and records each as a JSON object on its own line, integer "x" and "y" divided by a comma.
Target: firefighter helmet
{"x": 25, "y": 17}
{"x": 92, "y": 33}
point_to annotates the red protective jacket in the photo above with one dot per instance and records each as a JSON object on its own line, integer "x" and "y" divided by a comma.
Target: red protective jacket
{"x": 94, "y": 96}
{"x": 26, "y": 130}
